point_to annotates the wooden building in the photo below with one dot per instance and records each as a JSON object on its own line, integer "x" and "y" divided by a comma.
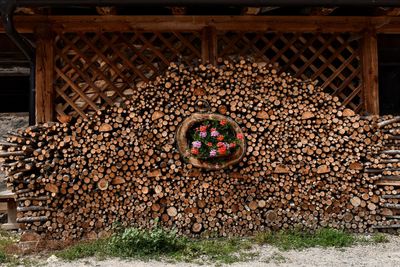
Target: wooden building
{"x": 110, "y": 49}
{"x": 87, "y": 55}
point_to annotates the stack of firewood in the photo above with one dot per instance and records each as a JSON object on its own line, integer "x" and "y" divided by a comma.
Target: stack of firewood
{"x": 384, "y": 167}
{"x": 303, "y": 167}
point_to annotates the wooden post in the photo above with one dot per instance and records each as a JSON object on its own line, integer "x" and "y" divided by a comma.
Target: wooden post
{"x": 369, "y": 59}
{"x": 209, "y": 45}
{"x": 9, "y": 197}
{"x": 44, "y": 75}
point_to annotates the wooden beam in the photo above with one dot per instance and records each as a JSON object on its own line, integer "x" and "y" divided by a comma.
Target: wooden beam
{"x": 106, "y": 10}
{"x": 26, "y": 24}
{"x": 241, "y": 23}
{"x": 369, "y": 61}
{"x": 44, "y": 75}
{"x": 209, "y": 45}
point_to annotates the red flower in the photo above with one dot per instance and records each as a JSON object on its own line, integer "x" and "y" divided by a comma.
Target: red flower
{"x": 213, "y": 130}
{"x": 209, "y": 144}
{"x": 203, "y": 128}
{"x": 240, "y": 136}
{"x": 220, "y": 144}
{"x": 222, "y": 150}
{"x": 232, "y": 145}
{"x": 223, "y": 122}
{"x": 195, "y": 151}
{"x": 220, "y": 138}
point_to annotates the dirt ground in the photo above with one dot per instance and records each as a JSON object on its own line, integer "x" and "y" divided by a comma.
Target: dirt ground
{"x": 382, "y": 255}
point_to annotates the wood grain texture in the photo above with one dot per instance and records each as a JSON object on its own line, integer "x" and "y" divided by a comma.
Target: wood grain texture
{"x": 382, "y": 24}
{"x": 44, "y": 75}
{"x": 370, "y": 72}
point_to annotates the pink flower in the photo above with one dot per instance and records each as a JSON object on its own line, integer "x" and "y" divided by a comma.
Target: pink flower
{"x": 203, "y": 134}
{"x": 232, "y": 145}
{"x": 213, "y": 153}
{"x": 196, "y": 144}
{"x": 214, "y": 133}
{"x": 220, "y": 144}
{"x": 209, "y": 144}
{"x": 239, "y": 136}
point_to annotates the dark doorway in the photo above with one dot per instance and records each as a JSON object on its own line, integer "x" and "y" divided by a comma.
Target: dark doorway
{"x": 14, "y": 78}
{"x": 14, "y": 94}
{"x": 389, "y": 73}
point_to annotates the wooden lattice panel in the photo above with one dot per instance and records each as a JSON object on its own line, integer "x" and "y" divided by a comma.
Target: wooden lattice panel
{"x": 93, "y": 70}
{"x": 332, "y": 59}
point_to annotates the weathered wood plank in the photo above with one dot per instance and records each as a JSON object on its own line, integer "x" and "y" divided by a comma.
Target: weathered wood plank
{"x": 381, "y": 24}
{"x": 386, "y": 226}
{"x": 369, "y": 59}
{"x": 44, "y": 75}
{"x": 209, "y": 45}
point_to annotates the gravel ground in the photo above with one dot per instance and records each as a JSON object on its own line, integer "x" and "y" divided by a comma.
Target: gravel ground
{"x": 382, "y": 255}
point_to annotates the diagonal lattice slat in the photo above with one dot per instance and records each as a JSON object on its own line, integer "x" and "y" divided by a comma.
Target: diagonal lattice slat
{"x": 332, "y": 59}
{"x": 94, "y": 70}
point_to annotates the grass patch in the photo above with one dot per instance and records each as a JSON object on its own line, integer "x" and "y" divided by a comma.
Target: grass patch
{"x": 161, "y": 244}
{"x": 98, "y": 248}
{"x": 286, "y": 240}
{"x": 276, "y": 258}
{"x": 167, "y": 245}
{"x": 379, "y": 238}
{"x": 8, "y": 239}
{"x": 134, "y": 242}
{"x": 220, "y": 250}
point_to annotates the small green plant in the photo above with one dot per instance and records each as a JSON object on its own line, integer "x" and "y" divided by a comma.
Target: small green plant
{"x": 97, "y": 248}
{"x": 8, "y": 239}
{"x": 275, "y": 258}
{"x": 302, "y": 239}
{"x": 3, "y": 257}
{"x": 222, "y": 250}
{"x": 379, "y": 238}
{"x": 134, "y": 242}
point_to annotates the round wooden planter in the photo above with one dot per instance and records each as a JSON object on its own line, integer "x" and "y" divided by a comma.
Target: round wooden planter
{"x": 184, "y": 146}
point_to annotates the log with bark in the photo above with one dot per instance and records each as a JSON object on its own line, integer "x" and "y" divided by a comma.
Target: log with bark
{"x": 384, "y": 166}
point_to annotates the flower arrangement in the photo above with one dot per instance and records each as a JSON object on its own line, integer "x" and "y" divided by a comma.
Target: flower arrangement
{"x": 211, "y": 139}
